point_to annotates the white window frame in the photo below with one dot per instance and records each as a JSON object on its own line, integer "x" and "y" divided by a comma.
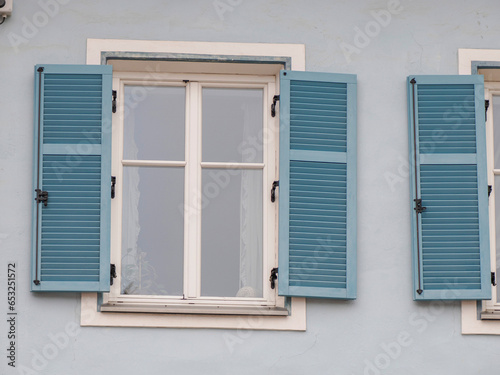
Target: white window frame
{"x": 474, "y": 319}
{"x": 184, "y": 316}
{"x": 114, "y": 300}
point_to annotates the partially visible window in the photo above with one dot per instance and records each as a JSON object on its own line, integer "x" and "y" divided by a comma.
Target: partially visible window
{"x": 491, "y": 309}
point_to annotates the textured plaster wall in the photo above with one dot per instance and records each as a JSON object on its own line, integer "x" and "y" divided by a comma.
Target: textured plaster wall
{"x": 341, "y": 337}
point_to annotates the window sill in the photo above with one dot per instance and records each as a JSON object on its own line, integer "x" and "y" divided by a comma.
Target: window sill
{"x": 473, "y": 322}
{"x": 295, "y": 320}
{"x": 490, "y": 315}
{"x": 205, "y": 310}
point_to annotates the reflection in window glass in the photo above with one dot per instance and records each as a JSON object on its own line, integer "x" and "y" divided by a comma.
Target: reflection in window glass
{"x": 231, "y": 234}
{"x": 152, "y": 231}
{"x": 154, "y": 123}
{"x": 232, "y": 122}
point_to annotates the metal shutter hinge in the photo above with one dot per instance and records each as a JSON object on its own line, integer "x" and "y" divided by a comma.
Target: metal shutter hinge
{"x": 418, "y": 206}
{"x": 486, "y": 106}
{"x": 113, "y": 186}
{"x": 490, "y": 188}
{"x": 273, "y": 190}
{"x": 112, "y": 274}
{"x": 273, "y": 106}
{"x": 42, "y": 196}
{"x": 493, "y": 279}
{"x": 273, "y": 277}
{"x": 113, "y": 103}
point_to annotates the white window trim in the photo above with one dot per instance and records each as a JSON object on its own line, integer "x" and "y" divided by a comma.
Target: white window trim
{"x": 90, "y": 316}
{"x": 471, "y": 320}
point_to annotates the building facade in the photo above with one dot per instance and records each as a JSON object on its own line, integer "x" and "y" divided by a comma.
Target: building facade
{"x": 375, "y": 252}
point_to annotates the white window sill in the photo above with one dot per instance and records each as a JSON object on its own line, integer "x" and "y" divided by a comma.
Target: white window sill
{"x": 490, "y": 315}
{"x": 472, "y": 325}
{"x": 294, "y": 321}
{"x": 205, "y": 310}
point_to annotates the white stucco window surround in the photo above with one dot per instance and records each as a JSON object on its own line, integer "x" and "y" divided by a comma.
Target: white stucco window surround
{"x": 193, "y": 70}
{"x": 483, "y": 317}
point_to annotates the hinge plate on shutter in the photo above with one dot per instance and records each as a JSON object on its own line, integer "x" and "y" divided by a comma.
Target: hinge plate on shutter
{"x": 490, "y": 188}
{"x": 113, "y": 105}
{"x": 42, "y": 196}
{"x": 112, "y": 274}
{"x": 273, "y": 190}
{"x": 493, "y": 279}
{"x": 273, "y": 277}
{"x": 418, "y": 206}
{"x": 273, "y": 106}
{"x": 486, "y": 106}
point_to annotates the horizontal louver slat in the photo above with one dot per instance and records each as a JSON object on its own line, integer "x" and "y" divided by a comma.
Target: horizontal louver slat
{"x": 314, "y": 245}
{"x": 70, "y": 236}
{"x": 446, "y": 119}
{"x": 72, "y": 108}
{"x": 318, "y": 120}
{"x": 450, "y": 197}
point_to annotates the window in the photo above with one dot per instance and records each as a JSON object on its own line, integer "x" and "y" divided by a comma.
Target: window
{"x": 192, "y": 230}
{"x": 192, "y": 222}
{"x": 481, "y": 317}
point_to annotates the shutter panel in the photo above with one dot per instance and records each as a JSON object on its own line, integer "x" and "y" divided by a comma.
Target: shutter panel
{"x": 317, "y": 212}
{"x": 450, "y": 237}
{"x": 72, "y": 157}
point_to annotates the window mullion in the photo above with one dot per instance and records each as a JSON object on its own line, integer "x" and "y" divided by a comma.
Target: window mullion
{"x": 192, "y": 212}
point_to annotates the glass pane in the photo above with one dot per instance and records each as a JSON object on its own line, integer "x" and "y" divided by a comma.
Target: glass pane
{"x": 496, "y": 129}
{"x": 153, "y": 231}
{"x": 231, "y": 233}
{"x": 232, "y": 125}
{"x": 154, "y": 123}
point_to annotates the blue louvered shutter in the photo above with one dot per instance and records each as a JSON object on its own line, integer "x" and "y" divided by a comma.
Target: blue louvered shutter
{"x": 317, "y": 191}
{"x": 450, "y": 237}
{"x": 72, "y": 164}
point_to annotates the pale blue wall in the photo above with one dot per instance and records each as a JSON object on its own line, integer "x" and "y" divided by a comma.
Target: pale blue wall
{"x": 341, "y": 336}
